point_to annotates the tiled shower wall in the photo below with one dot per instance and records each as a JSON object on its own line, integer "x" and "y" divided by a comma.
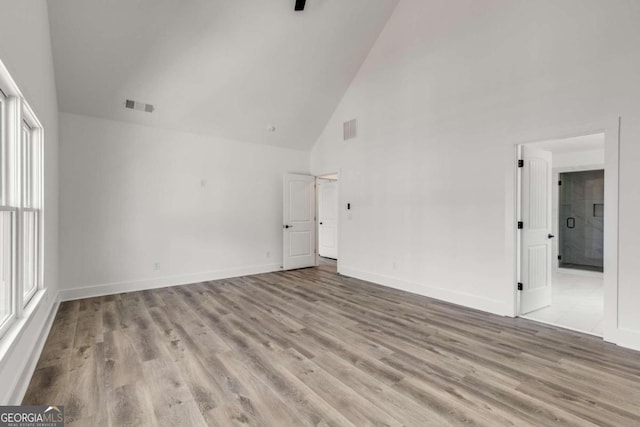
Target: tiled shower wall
{"x": 582, "y": 219}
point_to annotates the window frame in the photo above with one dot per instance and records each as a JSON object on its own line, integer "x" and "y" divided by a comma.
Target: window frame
{"x": 6, "y": 323}
{"x": 30, "y": 196}
{"x": 3, "y": 139}
{"x": 21, "y": 194}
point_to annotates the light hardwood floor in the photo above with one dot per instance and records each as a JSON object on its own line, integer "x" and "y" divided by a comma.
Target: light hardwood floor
{"x": 310, "y": 347}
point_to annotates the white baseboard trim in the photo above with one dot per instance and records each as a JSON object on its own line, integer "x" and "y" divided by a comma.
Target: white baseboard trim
{"x": 626, "y": 338}
{"x": 556, "y": 325}
{"x": 502, "y": 308}
{"x": 19, "y": 388}
{"x": 162, "y": 282}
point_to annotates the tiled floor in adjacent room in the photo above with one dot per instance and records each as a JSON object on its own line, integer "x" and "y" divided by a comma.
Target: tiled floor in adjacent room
{"x": 577, "y": 302}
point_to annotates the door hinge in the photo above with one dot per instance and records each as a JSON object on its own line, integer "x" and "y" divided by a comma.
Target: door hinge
{"x": 520, "y": 286}
{"x": 520, "y": 163}
{"x": 520, "y": 225}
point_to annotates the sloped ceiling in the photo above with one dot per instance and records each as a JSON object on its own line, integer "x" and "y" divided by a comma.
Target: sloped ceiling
{"x": 229, "y": 68}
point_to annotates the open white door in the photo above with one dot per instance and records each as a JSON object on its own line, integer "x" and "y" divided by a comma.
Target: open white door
{"x": 536, "y": 253}
{"x": 328, "y": 218}
{"x": 299, "y": 221}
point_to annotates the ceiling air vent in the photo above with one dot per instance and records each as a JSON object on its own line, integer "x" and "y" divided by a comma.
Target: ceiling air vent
{"x": 350, "y": 129}
{"x": 140, "y": 106}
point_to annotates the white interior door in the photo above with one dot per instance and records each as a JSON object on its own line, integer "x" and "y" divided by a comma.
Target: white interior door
{"x": 328, "y": 218}
{"x": 536, "y": 251}
{"x": 299, "y": 221}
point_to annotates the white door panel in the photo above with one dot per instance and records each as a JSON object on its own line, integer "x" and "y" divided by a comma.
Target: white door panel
{"x": 300, "y": 243}
{"x": 327, "y": 239}
{"x": 536, "y": 253}
{"x": 328, "y": 218}
{"x": 299, "y": 221}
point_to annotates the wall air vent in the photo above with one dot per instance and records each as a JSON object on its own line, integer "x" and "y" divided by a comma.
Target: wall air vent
{"x": 140, "y": 106}
{"x": 350, "y": 129}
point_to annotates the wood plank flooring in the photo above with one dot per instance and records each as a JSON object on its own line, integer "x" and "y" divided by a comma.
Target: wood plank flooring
{"x": 310, "y": 347}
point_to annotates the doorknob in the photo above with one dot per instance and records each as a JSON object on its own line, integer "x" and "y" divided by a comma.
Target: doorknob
{"x": 320, "y": 223}
{"x": 551, "y": 236}
{"x": 288, "y": 226}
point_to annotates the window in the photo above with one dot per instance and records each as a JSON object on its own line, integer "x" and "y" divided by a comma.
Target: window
{"x": 21, "y": 201}
{"x": 7, "y": 227}
{"x": 30, "y": 207}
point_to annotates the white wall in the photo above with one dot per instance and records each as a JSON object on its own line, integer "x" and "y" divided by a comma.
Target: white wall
{"x": 442, "y": 98}
{"x": 25, "y": 49}
{"x": 133, "y": 196}
{"x": 579, "y": 159}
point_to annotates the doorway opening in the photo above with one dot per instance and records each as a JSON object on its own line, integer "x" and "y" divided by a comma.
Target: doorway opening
{"x": 328, "y": 213}
{"x": 562, "y": 230}
{"x": 311, "y": 221}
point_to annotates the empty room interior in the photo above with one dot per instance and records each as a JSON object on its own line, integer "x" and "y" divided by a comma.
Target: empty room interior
{"x": 320, "y": 212}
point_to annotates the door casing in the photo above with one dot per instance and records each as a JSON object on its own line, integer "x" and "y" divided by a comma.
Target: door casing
{"x": 610, "y": 126}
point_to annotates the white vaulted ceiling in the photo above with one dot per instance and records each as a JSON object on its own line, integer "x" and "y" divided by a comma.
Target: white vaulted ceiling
{"x": 228, "y": 68}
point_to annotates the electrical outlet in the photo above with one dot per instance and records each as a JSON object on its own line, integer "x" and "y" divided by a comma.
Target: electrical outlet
{"x": 156, "y": 266}
{"x": 268, "y": 254}
{"x": 203, "y": 183}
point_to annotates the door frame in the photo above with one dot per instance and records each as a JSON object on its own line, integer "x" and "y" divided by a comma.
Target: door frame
{"x": 610, "y": 127}
{"x": 338, "y": 219}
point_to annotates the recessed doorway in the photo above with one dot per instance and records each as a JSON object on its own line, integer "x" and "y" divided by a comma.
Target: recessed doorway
{"x": 327, "y": 195}
{"x": 311, "y": 221}
{"x": 562, "y": 229}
